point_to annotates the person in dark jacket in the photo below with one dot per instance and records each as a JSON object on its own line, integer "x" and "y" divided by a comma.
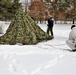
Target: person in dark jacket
{"x": 50, "y": 26}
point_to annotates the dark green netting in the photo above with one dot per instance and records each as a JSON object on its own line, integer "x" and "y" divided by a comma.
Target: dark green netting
{"x": 23, "y": 30}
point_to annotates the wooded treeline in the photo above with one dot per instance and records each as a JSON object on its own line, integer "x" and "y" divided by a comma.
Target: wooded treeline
{"x": 8, "y": 9}
{"x": 63, "y": 10}
{"x": 39, "y": 9}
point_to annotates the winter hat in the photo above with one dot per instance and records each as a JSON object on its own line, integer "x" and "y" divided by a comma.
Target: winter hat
{"x": 73, "y": 26}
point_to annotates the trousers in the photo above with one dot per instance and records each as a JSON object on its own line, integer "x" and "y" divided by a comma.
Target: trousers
{"x": 50, "y": 29}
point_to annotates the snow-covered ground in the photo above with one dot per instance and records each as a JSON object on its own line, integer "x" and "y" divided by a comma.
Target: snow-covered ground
{"x": 45, "y": 58}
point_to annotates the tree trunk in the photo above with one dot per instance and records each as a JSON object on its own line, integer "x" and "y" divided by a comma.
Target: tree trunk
{"x": 73, "y": 21}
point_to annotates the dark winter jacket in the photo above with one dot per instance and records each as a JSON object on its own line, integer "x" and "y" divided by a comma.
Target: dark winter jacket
{"x": 50, "y": 22}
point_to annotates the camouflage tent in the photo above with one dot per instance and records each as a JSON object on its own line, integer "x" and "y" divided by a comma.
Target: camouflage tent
{"x": 23, "y": 30}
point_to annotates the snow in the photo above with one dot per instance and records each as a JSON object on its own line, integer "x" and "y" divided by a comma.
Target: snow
{"x": 3, "y": 26}
{"x": 45, "y": 58}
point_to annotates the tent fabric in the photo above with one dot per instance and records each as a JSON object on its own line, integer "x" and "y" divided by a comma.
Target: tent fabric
{"x": 23, "y": 30}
